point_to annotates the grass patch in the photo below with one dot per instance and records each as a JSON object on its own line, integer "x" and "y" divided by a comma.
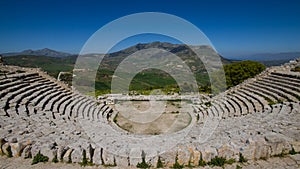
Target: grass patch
{"x": 111, "y": 165}
{"x": 9, "y": 152}
{"x": 176, "y": 165}
{"x": 230, "y": 161}
{"x": 242, "y": 159}
{"x": 281, "y": 155}
{"x": 238, "y": 167}
{"x": 115, "y": 120}
{"x": 292, "y": 152}
{"x": 263, "y": 158}
{"x": 217, "y": 161}
{"x": 220, "y": 161}
{"x": 39, "y": 158}
{"x": 190, "y": 164}
{"x": 208, "y": 104}
{"x": 159, "y": 163}
{"x": 20, "y": 71}
{"x": 85, "y": 161}
{"x": 202, "y": 163}
{"x": 143, "y": 164}
{"x": 55, "y": 160}
{"x": 296, "y": 69}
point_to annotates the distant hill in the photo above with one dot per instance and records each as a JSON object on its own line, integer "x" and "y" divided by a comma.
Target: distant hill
{"x": 269, "y": 63}
{"x": 271, "y": 59}
{"x": 41, "y": 52}
{"x": 146, "y": 80}
{"x": 181, "y": 50}
{"x": 178, "y": 49}
{"x": 52, "y": 65}
{"x": 275, "y": 56}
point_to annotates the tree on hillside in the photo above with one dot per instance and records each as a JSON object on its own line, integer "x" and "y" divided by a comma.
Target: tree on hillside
{"x": 237, "y": 72}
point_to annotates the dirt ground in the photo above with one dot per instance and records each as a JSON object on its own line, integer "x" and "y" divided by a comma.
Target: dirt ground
{"x": 20, "y": 163}
{"x": 171, "y": 120}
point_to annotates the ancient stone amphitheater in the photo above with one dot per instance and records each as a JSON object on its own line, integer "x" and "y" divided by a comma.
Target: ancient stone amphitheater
{"x": 259, "y": 119}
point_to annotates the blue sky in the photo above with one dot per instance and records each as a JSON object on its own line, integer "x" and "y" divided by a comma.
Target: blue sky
{"x": 236, "y": 28}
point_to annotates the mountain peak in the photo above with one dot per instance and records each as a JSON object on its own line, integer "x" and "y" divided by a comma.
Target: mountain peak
{"x": 40, "y": 52}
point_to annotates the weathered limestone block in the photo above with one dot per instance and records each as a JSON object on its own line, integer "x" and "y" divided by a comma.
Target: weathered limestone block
{"x": 5, "y": 147}
{"x": 256, "y": 148}
{"x": 227, "y": 152}
{"x": 195, "y": 157}
{"x": 2, "y": 142}
{"x": 262, "y": 150}
{"x": 109, "y": 158}
{"x": 76, "y": 156}
{"x": 277, "y": 144}
{"x": 122, "y": 161}
{"x": 61, "y": 152}
{"x": 68, "y": 155}
{"x": 17, "y": 149}
{"x": 184, "y": 155}
{"x": 296, "y": 146}
{"x": 209, "y": 153}
{"x": 151, "y": 160}
{"x": 50, "y": 152}
{"x": 97, "y": 156}
{"x": 249, "y": 149}
{"x": 35, "y": 149}
{"x": 168, "y": 158}
{"x": 27, "y": 152}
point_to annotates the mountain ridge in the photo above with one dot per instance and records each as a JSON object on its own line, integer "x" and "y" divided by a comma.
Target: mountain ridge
{"x": 40, "y": 52}
{"x": 173, "y": 48}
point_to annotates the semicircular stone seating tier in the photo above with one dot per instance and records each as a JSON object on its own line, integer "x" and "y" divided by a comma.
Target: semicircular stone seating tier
{"x": 255, "y": 95}
{"x": 39, "y": 114}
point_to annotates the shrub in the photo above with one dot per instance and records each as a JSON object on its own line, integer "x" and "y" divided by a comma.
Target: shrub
{"x": 115, "y": 120}
{"x": 39, "y": 158}
{"x": 190, "y": 164}
{"x": 176, "y": 164}
{"x": 55, "y": 160}
{"x": 217, "y": 161}
{"x": 292, "y": 152}
{"x": 230, "y": 161}
{"x": 237, "y": 72}
{"x": 159, "y": 163}
{"x": 85, "y": 161}
{"x": 238, "y": 167}
{"x": 208, "y": 104}
{"x": 242, "y": 159}
{"x": 296, "y": 69}
{"x": 280, "y": 155}
{"x": 263, "y": 158}
{"x": 143, "y": 164}
{"x": 202, "y": 163}
{"x": 111, "y": 165}
{"x": 20, "y": 71}
{"x": 9, "y": 152}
